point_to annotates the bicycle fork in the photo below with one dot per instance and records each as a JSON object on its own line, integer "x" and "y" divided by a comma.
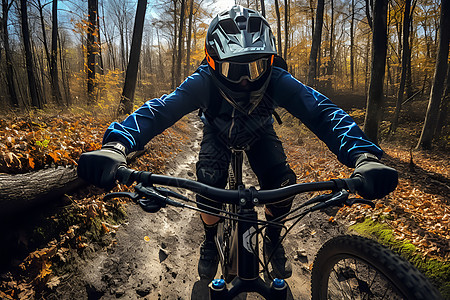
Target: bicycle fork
{"x": 247, "y": 279}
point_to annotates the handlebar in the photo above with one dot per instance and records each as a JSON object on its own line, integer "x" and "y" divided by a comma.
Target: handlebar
{"x": 127, "y": 176}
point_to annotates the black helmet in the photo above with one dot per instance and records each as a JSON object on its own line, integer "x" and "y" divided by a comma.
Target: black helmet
{"x": 240, "y": 47}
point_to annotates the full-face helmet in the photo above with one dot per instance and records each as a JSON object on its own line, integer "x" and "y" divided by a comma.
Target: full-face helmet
{"x": 240, "y": 50}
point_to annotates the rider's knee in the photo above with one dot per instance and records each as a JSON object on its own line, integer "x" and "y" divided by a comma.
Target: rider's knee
{"x": 280, "y": 176}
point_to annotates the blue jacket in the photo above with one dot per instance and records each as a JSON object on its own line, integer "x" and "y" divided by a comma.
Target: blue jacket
{"x": 330, "y": 123}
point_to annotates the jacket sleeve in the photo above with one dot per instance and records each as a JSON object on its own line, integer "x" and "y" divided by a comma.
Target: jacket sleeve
{"x": 157, "y": 114}
{"x": 329, "y": 122}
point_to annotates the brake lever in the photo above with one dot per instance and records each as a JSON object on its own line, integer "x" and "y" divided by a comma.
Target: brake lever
{"x": 336, "y": 199}
{"x": 156, "y": 198}
{"x": 169, "y": 193}
{"x": 352, "y": 201}
{"x": 133, "y": 196}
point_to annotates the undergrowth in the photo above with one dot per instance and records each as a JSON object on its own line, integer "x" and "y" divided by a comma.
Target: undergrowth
{"x": 435, "y": 268}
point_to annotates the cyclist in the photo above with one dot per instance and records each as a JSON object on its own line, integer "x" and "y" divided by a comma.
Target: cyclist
{"x": 237, "y": 90}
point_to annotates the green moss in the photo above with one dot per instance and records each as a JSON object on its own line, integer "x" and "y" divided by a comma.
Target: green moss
{"x": 437, "y": 270}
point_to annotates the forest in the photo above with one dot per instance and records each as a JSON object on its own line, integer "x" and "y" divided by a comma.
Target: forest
{"x": 69, "y": 68}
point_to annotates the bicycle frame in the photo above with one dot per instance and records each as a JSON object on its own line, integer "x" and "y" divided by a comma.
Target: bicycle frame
{"x": 244, "y": 245}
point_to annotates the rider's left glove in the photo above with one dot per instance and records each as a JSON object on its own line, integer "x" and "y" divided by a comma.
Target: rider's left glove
{"x": 99, "y": 167}
{"x": 379, "y": 180}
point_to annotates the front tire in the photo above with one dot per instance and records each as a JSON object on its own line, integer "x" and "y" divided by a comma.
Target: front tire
{"x": 354, "y": 267}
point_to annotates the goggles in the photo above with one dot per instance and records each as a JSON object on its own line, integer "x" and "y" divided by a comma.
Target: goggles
{"x": 235, "y": 72}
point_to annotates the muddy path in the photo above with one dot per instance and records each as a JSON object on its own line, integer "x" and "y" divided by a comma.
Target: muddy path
{"x": 156, "y": 255}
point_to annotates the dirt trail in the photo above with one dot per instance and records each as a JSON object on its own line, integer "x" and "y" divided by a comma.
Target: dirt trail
{"x": 156, "y": 255}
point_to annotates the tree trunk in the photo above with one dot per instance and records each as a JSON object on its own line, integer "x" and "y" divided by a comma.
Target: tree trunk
{"x": 311, "y": 7}
{"x": 44, "y": 32}
{"x": 405, "y": 59}
{"x": 9, "y": 67}
{"x": 174, "y": 48}
{"x": 126, "y": 101}
{"x": 352, "y": 46}
{"x": 277, "y": 12}
{"x": 32, "y": 83}
{"x": 330, "y": 67}
{"x": 443, "y": 114}
{"x": 91, "y": 49}
{"x": 366, "y": 71}
{"x": 317, "y": 37}
{"x": 286, "y": 28}
{"x": 375, "y": 99}
{"x": 64, "y": 71}
{"x": 56, "y": 93}
{"x": 263, "y": 8}
{"x": 180, "y": 44}
{"x": 432, "y": 114}
{"x": 409, "y": 80}
{"x": 99, "y": 44}
{"x": 160, "y": 58}
{"x": 189, "y": 39}
{"x": 369, "y": 9}
{"x": 109, "y": 44}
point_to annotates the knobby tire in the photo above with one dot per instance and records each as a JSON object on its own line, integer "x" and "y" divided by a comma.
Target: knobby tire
{"x": 354, "y": 267}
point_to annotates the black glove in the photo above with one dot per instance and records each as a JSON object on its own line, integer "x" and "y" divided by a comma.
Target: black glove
{"x": 379, "y": 180}
{"x": 99, "y": 167}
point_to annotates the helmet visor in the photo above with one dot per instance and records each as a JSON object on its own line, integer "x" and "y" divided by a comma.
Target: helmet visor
{"x": 252, "y": 71}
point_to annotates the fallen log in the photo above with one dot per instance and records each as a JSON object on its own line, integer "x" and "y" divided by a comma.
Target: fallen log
{"x": 21, "y": 192}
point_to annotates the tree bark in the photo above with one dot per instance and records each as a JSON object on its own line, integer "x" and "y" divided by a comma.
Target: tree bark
{"x": 352, "y": 46}
{"x": 429, "y": 127}
{"x": 91, "y": 49}
{"x": 175, "y": 39}
{"x": 330, "y": 67}
{"x": 25, "y": 191}
{"x": 286, "y": 28}
{"x": 277, "y": 12}
{"x": 126, "y": 101}
{"x": 56, "y": 93}
{"x": 32, "y": 83}
{"x": 375, "y": 99}
{"x": 99, "y": 45}
{"x": 189, "y": 39}
{"x": 406, "y": 54}
{"x": 44, "y": 32}
{"x": 9, "y": 64}
{"x": 180, "y": 44}
{"x": 64, "y": 71}
{"x": 369, "y": 6}
{"x": 311, "y": 8}
{"x": 111, "y": 53}
{"x": 443, "y": 114}
{"x": 317, "y": 38}
{"x": 263, "y": 8}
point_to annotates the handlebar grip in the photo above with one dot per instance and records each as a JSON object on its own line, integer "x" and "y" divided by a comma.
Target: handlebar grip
{"x": 123, "y": 175}
{"x": 128, "y": 176}
{"x": 354, "y": 183}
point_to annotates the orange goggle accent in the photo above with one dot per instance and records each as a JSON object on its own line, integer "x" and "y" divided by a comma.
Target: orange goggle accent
{"x": 209, "y": 59}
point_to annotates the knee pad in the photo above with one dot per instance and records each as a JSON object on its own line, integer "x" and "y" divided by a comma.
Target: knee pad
{"x": 213, "y": 177}
{"x": 279, "y": 176}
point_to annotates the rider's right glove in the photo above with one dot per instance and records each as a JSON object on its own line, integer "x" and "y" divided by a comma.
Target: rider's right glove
{"x": 379, "y": 180}
{"x": 99, "y": 167}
